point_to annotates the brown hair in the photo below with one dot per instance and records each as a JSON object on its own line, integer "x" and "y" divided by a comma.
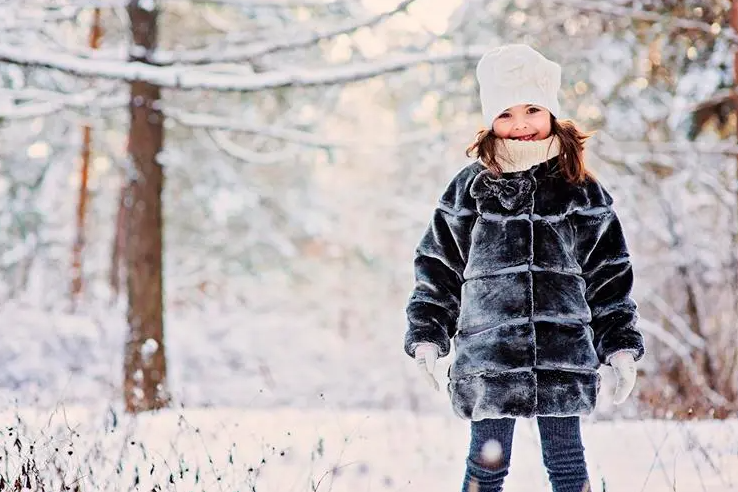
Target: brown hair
{"x": 571, "y": 155}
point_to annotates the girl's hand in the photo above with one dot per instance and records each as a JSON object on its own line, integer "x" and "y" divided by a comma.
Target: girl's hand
{"x": 625, "y": 371}
{"x": 426, "y": 355}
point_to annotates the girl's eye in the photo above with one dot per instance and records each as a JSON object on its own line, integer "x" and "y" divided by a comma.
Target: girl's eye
{"x": 533, "y": 110}
{"x": 504, "y": 115}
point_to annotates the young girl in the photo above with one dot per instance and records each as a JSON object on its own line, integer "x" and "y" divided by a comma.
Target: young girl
{"x": 525, "y": 267}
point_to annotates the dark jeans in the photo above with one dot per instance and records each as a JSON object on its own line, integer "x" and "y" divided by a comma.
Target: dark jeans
{"x": 563, "y": 454}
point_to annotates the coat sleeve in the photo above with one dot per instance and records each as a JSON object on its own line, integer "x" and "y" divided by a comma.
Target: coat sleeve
{"x": 608, "y": 274}
{"x": 440, "y": 258}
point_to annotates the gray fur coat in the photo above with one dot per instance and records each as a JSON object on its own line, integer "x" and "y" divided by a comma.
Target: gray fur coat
{"x": 530, "y": 277}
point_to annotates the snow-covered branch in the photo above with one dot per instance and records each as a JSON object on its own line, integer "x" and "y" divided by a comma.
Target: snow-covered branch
{"x": 45, "y": 103}
{"x": 606, "y": 7}
{"x": 235, "y": 3}
{"x": 650, "y": 148}
{"x": 675, "y": 320}
{"x": 198, "y": 77}
{"x": 217, "y": 53}
{"x": 275, "y": 3}
{"x": 231, "y": 148}
{"x": 665, "y": 337}
{"x": 27, "y": 11}
{"x": 719, "y": 97}
{"x": 614, "y": 147}
{"x": 28, "y": 21}
{"x": 213, "y": 122}
{"x": 234, "y": 54}
{"x": 618, "y": 149}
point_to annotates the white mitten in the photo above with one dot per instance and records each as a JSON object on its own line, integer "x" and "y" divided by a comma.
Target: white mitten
{"x": 426, "y": 355}
{"x": 625, "y": 372}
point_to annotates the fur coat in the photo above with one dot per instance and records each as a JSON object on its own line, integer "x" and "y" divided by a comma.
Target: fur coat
{"x": 530, "y": 277}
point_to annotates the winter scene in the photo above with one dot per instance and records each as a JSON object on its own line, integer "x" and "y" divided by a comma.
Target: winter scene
{"x": 369, "y": 245}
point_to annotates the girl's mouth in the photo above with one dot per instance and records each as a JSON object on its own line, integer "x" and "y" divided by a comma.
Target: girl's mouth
{"x": 525, "y": 138}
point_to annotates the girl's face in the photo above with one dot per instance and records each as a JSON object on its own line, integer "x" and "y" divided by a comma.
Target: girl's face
{"x": 523, "y": 122}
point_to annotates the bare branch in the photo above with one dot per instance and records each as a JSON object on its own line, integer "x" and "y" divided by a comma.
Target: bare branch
{"x": 188, "y": 77}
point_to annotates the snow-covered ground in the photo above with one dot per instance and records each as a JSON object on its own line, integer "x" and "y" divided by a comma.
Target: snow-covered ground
{"x": 235, "y": 358}
{"x": 269, "y": 404}
{"x": 283, "y": 450}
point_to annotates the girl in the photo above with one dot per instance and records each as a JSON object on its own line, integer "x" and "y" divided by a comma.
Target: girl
{"x": 525, "y": 267}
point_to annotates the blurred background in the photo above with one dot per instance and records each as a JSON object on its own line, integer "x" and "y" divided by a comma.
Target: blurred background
{"x": 216, "y": 203}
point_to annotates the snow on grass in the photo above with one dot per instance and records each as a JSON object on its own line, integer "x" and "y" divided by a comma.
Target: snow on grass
{"x": 285, "y": 449}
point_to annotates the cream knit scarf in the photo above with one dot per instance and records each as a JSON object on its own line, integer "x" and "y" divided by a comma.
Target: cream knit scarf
{"x": 519, "y": 155}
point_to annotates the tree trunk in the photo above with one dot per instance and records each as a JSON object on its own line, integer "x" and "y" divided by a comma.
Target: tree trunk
{"x": 144, "y": 363}
{"x": 79, "y": 242}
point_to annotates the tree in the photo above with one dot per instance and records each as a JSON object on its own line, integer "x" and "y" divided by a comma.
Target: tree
{"x": 145, "y": 368}
{"x": 79, "y": 241}
{"x": 252, "y": 67}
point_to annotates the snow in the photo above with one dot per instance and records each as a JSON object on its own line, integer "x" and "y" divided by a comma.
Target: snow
{"x": 16, "y": 253}
{"x": 295, "y": 449}
{"x": 148, "y": 349}
{"x": 48, "y": 102}
{"x": 313, "y": 404}
{"x": 147, "y": 5}
{"x": 199, "y": 77}
{"x": 137, "y": 51}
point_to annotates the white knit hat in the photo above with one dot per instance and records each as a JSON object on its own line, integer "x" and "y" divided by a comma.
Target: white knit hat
{"x": 517, "y": 74}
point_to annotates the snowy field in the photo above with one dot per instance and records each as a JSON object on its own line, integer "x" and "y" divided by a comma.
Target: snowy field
{"x": 283, "y": 450}
{"x": 273, "y": 409}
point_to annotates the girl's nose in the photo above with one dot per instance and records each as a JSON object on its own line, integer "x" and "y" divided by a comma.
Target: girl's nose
{"x": 519, "y": 123}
